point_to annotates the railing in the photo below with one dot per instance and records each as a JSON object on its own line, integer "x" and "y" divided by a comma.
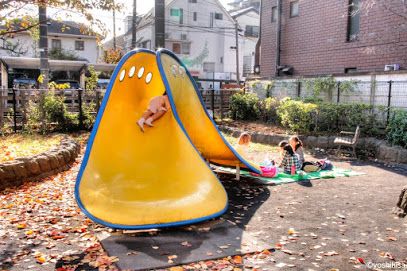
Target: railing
{"x": 14, "y": 103}
{"x": 379, "y": 94}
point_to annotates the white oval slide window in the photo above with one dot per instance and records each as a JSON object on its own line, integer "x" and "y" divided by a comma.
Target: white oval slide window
{"x": 122, "y": 74}
{"x": 149, "y": 77}
{"x": 140, "y": 72}
{"x": 132, "y": 71}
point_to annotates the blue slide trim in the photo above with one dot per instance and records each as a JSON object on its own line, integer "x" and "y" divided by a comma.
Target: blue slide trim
{"x": 164, "y": 76}
{"x": 88, "y": 151}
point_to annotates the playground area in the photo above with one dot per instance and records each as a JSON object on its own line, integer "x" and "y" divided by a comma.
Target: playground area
{"x": 159, "y": 187}
{"x": 327, "y": 224}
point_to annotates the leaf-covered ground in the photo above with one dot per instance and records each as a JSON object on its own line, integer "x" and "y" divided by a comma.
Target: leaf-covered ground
{"x": 18, "y": 145}
{"x": 337, "y": 224}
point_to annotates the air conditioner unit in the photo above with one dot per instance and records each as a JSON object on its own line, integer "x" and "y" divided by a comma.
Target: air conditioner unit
{"x": 392, "y": 67}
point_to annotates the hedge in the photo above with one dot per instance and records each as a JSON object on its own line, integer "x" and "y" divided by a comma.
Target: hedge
{"x": 310, "y": 117}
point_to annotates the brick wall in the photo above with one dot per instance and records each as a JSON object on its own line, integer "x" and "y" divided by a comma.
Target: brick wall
{"x": 315, "y": 42}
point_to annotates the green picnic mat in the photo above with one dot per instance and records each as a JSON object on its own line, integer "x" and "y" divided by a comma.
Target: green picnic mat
{"x": 287, "y": 178}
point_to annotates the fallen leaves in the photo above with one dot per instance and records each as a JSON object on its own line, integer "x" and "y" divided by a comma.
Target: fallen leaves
{"x": 238, "y": 259}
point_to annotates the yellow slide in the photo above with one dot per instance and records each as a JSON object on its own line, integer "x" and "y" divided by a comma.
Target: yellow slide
{"x": 191, "y": 111}
{"x": 134, "y": 180}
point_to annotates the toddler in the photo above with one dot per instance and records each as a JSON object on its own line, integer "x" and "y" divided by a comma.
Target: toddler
{"x": 157, "y": 107}
{"x": 243, "y": 144}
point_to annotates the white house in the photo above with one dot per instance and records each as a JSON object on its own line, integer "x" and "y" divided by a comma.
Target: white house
{"x": 241, "y": 4}
{"x": 249, "y": 21}
{"x": 63, "y": 36}
{"x": 201, "y": 32}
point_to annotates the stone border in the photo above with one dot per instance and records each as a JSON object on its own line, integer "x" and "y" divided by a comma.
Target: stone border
{"x": 380, "y": 148}
{"x": 38, "y": 166}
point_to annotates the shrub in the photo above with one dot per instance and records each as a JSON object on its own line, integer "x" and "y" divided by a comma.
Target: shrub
{"x": 334, "y": 117}
{"x": 297, "y": 116}
{"x": 53, "y": 113}
{"x": 268, "y": 110}
{"x": 244, "y": 106}
{"x": 397, "y": 128}
{"x": 326, "y": 117}
{"x": 89, "y": 115}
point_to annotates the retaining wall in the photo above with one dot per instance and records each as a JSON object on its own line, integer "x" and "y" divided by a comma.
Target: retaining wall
{"x": 380, "y": 148}
{"x": 38, "y": 166}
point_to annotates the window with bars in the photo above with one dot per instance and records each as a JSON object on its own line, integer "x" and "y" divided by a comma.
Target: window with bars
{"x": 79, "y": 45}
{"x": 56, "y": 44}
{"x": 353, "y": 20}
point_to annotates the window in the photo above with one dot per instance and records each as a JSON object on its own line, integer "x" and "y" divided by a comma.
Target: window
{"x": 195, "y": 16}
{"x": 183, "y": 36}
{"x": 294, "y": 9}
{"x": 181, "y": 16}
{"x": 274, "y": 14}
{"x": 174, "y": 12}
{"x": 193, "y": 1}
{"x": 221, "y": 60}
{"x": 146, "y": 44}
{"x": 211, "y": 20}
{"x": 218, "y": 16}
{"x": 186, "y": 48}
{"x": 176, "y": 48}
{"x": 353, "y": 20}
{"x": 351, "y": 70}
{"x": 56, "y": 44}
{"x": 79, "y": 45}
{"x": 252, "y": 31}
{"x": 208, "y": 66}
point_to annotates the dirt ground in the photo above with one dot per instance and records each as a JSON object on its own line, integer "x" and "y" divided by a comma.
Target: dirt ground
{"x": 332, "y": 224}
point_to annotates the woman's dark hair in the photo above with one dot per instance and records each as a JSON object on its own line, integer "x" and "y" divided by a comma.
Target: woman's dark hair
{"x": 165, "y": 93}
{"x": 283, "y": 143}
{"x": 298, "y": 142}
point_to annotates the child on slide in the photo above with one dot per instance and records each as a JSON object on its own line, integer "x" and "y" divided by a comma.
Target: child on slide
{"x": 243, "y": 144}
{"x": 157, "y": 107}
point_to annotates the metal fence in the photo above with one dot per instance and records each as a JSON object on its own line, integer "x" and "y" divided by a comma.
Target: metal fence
{"x": 15, "y": 103}
{"x": 382, "y": 95}
{"x": 376, "y": 93}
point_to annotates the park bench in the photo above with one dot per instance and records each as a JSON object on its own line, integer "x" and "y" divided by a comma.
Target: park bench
{"x": 347, "y": 141}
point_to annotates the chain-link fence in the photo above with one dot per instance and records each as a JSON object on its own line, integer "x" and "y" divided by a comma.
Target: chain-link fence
{"x": 379, "y": 94}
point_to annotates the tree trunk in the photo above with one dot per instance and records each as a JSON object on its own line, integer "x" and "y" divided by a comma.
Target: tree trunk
{"x": 401, "y": 209}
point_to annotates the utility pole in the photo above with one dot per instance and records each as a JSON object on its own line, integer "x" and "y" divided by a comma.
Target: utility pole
{"x": 114, "y": 25}
{"x": 134, "y": 26}
{"x": 237, "y": 53}
{"x": 159, "y": 23}
{"x": 43, "y": 44}
{"x": 278, "y": 50}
